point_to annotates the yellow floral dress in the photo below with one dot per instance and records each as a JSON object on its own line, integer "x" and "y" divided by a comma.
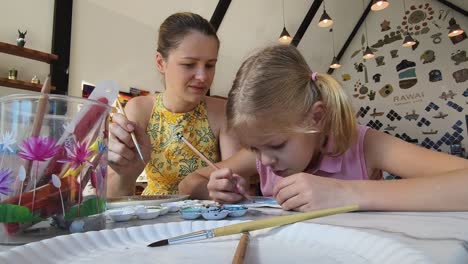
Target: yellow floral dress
{"x": 171, "y": 160}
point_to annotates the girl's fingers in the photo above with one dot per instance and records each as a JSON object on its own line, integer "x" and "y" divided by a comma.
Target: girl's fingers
{"x": 293, "y": 203}
{"x": 285, "y": 193}
{"x": 283, "y": 183}
{"x": 119, "y": 134}
{"x": 227, "y": 197}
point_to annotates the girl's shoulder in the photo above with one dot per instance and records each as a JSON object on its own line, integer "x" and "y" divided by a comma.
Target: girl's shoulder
{"x": 215, "y": 103}
{"x": 216, "y": 111}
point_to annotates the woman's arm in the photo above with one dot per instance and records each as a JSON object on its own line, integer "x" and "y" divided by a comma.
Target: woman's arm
{"x": 431, "y": 180}
{"x": 195, "y": 184}
{"x": 125, "y": 164}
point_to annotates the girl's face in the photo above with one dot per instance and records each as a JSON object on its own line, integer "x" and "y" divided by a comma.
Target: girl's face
{"x": 189, "y": 69}
{"x": 285, "y": 153}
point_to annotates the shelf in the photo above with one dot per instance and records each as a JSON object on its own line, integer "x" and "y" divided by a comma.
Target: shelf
{"x": 22, "y": 85}
{"x": 27, "y": 53}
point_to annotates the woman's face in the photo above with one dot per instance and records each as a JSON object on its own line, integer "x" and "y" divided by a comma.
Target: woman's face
{"x": 189, "y": 69}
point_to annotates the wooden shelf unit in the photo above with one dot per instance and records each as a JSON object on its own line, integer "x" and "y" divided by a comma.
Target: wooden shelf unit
{"x": 27, "y": 53}
{"x": 22, "y": 85}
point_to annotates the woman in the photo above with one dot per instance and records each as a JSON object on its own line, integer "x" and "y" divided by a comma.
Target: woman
{"x": 186, "y": 57}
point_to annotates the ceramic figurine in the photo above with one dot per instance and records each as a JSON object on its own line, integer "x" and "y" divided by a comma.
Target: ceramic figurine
{"x": 35, "y": 80}
{"x": 20, "y": 41}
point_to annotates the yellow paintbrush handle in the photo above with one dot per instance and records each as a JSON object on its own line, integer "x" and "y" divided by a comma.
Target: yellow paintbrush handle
{"x": 280, "y": 220}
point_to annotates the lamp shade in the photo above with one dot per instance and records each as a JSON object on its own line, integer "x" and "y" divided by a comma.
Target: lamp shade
{"x": 455, "y": 30}
{"x": 379, "y": 5}
{"x": 285, "y": 38}
{"x": 325, "y": 20}
{"x": 408, "y": 41}
{"x": 368, "y": 54}
{"x": 335, "y": 64}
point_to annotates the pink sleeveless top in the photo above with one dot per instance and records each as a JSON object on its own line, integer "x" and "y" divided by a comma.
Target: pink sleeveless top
{"x": 351, "y": 165}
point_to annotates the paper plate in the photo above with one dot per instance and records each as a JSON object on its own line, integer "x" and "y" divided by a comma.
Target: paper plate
{"x": 146, "y": 200}
{"x": 297, "y": 243}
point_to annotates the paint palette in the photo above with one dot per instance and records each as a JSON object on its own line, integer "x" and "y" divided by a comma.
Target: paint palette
{"x": 139, "y": 212}
{"x": 213, "y": 212}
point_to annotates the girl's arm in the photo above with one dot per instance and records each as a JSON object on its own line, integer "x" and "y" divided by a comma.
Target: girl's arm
{"x": 431, "y": 180}
{"x": 195, "y": 184}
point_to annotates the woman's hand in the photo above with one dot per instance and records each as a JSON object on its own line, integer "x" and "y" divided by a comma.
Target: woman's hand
{"x": 226, "y": 187}
{"x": 306, "y": 192}
{"x": 123, "y": 156}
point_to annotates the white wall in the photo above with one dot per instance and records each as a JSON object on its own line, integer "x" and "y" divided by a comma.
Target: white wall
{"x": 37, "y": 18}
{"x": 424, "y": 92}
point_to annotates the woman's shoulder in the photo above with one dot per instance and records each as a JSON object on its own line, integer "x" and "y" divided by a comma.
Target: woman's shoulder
{"x": 215, "y": 102}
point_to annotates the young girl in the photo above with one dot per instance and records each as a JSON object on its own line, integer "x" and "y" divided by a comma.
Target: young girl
{"x": 186, "y": 57}
{"x": 304, "y": 143}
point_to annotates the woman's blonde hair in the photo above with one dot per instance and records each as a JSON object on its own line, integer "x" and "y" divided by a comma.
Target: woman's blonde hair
{"x": 274, "y": 90}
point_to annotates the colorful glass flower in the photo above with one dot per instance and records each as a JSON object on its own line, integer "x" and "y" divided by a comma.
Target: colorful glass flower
{"x": 38, "y": 148}
{"x": 6, "y": 181}
{"x": 7, "y": 141}
{"x": 77, "y": 155}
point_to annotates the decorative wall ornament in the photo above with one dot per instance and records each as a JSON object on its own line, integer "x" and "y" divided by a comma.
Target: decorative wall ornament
{"x": 386, "y": 90}
{"x": 430, "y": 132}
{"x": 415, "y": 46}
{"x": 460, "y": 75}
{"x": 416, "y": 19}
{"x": 376, "y": 77}
{"x": 359, "y": 67}
{"x": 375, "y": 114}
{"x": 388, "y": 38}
{"x": 436, "y": 38}
{"x": 346, "y": 77}
{"x": 406, "y": 74}
{"x": 427, "y": 57}
{"x": 435, "y": 76}
{"x": 448, "y": 95}
{"x": 412, "y": 116}
{"x": 440, "y": 115}
{"x": 459, "y": 57}
{"x": 385, "y": 25}
{"x": 394, "y": 53}
{"x": 390, "y": 128}
{"x": 380, "y": 61}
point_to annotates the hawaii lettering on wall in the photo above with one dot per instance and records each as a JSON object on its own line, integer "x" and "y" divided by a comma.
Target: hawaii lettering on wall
{"x": 408, "y": 98}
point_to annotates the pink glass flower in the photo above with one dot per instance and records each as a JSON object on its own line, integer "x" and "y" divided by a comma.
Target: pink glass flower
{"x": 77, "y": 154}
{"x": 38, "y": 148}
{"x": 6, "y": 181}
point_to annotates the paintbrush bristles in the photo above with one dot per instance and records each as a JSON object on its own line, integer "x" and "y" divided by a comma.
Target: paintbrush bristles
{"x": 159, "y": 243}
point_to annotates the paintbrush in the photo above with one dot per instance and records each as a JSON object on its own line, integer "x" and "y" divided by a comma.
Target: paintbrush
{"x": 132, "y": 134}
{"x": 209, "y": 162}
{"x": 253, "y": 225}
{"x": 239, "y": 256}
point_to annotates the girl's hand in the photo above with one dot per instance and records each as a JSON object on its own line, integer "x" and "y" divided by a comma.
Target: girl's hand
{"x": 226, "y": 187}
{"x": 306, "y": 192}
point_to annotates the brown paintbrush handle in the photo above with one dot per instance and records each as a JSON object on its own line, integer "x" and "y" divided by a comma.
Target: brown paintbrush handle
{"x": 239, "y": 256}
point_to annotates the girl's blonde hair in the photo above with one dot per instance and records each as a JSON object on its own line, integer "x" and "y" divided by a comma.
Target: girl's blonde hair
{"x": 274, "y": 90}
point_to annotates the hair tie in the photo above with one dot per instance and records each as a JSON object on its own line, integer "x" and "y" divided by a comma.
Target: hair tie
{"x": 313, "y": 76}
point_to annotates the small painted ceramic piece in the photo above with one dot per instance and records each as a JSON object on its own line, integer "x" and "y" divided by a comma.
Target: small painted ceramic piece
{"x": 214, "y": 213}
{"x": 236, "y": 210}
{"x": 175, "y": 206}
{"x": 163, "y": 210}
{"x": 148, "y": 214}
{"x": 120, "y": 215}
{"x": 191, "y": 213}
